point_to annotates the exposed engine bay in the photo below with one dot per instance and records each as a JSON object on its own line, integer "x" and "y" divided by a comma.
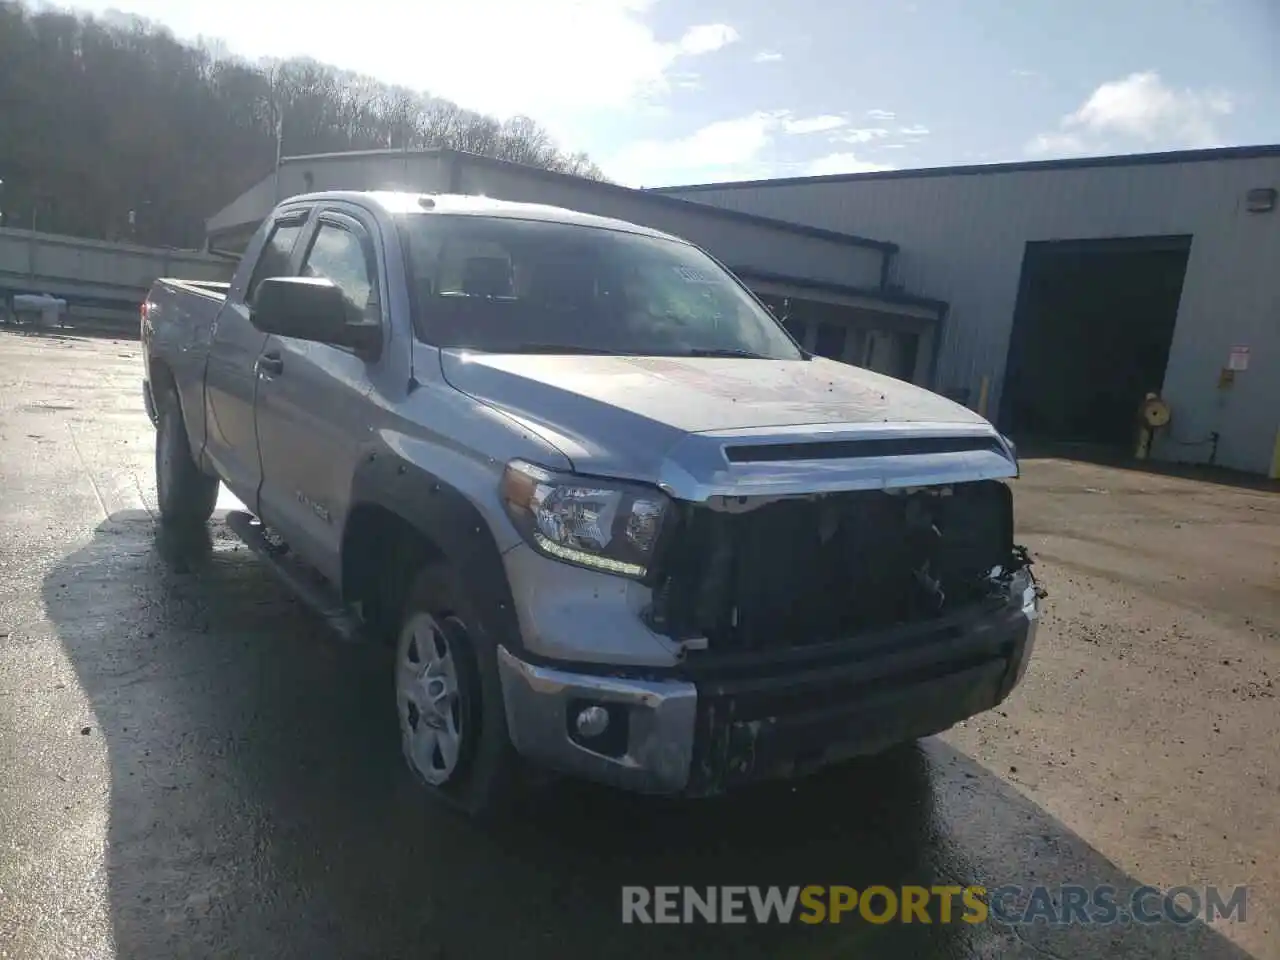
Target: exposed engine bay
{"x": 814, "y": 569}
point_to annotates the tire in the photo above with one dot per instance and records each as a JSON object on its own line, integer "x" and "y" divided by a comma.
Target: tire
{"x": 186, "y": 494}
{"x": 447, "y": 689}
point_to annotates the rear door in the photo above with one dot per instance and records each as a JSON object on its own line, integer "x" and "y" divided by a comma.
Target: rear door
{"x": 312, "y": 416}
{"x": 231, "y": 443}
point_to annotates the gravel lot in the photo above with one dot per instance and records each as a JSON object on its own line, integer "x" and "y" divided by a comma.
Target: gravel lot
{"x": 193, "y": 766}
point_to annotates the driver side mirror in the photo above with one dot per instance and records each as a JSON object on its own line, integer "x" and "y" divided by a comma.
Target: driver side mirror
{"x": 311, "y": 308}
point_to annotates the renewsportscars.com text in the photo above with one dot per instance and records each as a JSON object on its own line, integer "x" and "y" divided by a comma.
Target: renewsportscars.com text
{"x": 1008, "y": 904}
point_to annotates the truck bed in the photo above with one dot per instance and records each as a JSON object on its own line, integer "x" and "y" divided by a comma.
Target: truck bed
{"x": 208, "y": 289}
{"x": 177, "y": 309}
{"x": 177, "y": 328}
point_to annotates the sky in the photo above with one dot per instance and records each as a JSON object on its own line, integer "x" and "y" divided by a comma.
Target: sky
{"x": 664, "y": 92}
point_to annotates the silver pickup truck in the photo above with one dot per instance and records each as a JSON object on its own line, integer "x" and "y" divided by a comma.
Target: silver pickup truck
{"x": 614, "y": 521}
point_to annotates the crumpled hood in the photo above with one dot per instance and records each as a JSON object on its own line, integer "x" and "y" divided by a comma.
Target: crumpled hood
{"x": 619, "y": 416}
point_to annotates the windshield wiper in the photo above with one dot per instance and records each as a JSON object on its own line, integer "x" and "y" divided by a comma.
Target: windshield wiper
{"x": 579, "y": 349}
{"x": 563, "y": 348}
{"x": 723, "y": 352}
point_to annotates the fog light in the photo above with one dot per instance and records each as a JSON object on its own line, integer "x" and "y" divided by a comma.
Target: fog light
{"x": 592, "y": 721}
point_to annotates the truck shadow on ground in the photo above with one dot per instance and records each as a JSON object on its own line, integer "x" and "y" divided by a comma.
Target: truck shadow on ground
{"x": 259, "y": 806}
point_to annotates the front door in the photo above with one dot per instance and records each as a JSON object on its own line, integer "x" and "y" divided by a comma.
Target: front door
{"x": 311, "y": 417}
{"x": 231, "y": 439}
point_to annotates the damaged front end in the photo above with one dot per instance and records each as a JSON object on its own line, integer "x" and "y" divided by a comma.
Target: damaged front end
{"x": 743, "y": 574}
{"x": 819, "y": 592}
{"x": 823, "y": 626}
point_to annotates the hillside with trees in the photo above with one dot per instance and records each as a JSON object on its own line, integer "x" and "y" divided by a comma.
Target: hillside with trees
{"x": 99, "y": 118}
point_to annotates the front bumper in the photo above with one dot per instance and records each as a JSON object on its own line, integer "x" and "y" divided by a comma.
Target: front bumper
{"x": 701, "y": 731}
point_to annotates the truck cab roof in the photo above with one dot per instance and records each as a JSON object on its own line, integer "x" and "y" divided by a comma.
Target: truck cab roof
{"x": 455, "y": 204}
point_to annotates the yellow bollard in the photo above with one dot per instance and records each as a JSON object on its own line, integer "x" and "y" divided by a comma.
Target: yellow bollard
{"x": 1152, "y": 415}
{"x": 1275, "y": 458}
{"x": 1144, "y": 443}
{"x": 983, "y": 390}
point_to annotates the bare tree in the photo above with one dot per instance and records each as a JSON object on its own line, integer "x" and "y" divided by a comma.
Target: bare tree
{"x": 106, "y": 116}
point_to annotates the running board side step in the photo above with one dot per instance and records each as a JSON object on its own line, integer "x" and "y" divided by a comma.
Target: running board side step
{"x": 305, "y": 582}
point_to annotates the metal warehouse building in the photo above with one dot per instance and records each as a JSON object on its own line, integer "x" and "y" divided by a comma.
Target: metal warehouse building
{"x": 1076, "y": 286}
{"x": 1052, "y": 296}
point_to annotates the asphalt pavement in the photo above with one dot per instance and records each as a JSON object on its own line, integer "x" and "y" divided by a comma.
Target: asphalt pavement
{"x": 191, "y": 765}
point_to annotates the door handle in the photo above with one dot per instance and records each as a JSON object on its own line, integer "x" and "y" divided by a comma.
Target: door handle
{"x": 270, "y": 363}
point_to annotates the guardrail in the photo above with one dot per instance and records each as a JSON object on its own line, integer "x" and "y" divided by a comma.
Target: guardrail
{"x": 95, "y": 273}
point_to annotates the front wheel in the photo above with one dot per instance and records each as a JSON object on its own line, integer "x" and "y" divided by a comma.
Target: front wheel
{"x": 185, "y": 493}
{"x": 453, "y": 727}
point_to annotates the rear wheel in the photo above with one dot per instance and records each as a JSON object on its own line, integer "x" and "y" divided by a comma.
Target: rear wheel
{"x": 453, "y": 729}
{"x": 186, "y": 494}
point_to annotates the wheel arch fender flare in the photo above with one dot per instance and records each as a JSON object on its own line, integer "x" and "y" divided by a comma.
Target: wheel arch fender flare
{"x": 453, "y": 526}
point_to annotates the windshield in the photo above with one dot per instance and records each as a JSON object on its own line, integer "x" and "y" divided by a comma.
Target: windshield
{"x": 505, "y": 285}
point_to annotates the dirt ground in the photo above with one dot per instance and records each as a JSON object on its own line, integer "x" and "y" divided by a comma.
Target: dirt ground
{"x": 192, "y": 766}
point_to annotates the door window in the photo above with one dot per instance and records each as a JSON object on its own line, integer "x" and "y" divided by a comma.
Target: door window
{"x": 274, "y": 259}
{"x": 337, "y": 254}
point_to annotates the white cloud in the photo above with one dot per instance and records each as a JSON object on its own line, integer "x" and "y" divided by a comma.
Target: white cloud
{"x": 914, "y": 131}
{"x": 1058, "y": 144}
{"x": 726, "y": 149}
{"x": 563, "y": 62}
{"x": 843, "y": 163}
{"x": 881, "y": 114}
{"x": 707, "y": 38}
{"x": 737, "y": 149}
{"x": 819, "y": 124}
{"x": 1141, "y": 105}
{"x": 1139, "y": 110}
{"x": 767, "y": 56}
{"x": 864, "y": 134}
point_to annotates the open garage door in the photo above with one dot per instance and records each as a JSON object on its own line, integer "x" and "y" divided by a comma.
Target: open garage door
{"x": 1091, "y": 336}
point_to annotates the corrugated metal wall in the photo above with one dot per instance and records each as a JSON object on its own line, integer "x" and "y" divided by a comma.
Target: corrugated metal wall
{"x": 963, "y": 238}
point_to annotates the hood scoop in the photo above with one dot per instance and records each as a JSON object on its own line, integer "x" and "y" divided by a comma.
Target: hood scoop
{"x": 860, "y": 449}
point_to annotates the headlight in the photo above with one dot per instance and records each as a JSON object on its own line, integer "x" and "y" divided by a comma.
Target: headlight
{"x": 607, "y": 525}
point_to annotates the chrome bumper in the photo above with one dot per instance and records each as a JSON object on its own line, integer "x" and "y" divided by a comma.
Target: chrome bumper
{"x": 699, "y": 738}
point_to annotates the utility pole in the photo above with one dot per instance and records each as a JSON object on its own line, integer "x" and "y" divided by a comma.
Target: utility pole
{"x": 134, "y": 215}
{"x": 279, "y": 143}
{"x": 277, "y": 112}
{"x": 31, "y": 240}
